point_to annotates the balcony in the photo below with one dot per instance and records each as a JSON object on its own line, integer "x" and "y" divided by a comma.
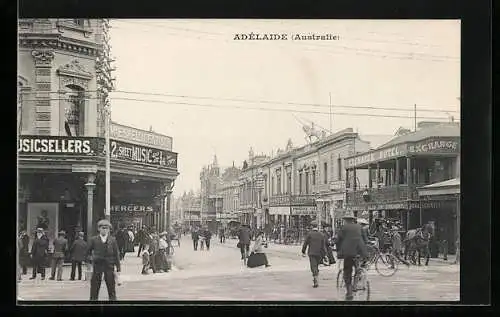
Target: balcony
{"x": 293, "y": 200}
{"x": 383, "y": 195}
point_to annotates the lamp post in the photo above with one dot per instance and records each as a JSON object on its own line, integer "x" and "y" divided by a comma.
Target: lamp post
{"x": 90, "y": 185}
{"x": 107, "y": 123}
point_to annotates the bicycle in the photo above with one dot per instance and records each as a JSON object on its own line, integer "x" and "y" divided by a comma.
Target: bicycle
{"x": 382, "y": 261}
{"x": 360, "y": 282}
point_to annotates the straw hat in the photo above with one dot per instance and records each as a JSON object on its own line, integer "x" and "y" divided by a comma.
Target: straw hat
{"x": 103, "y": 223}
{"x": 349, "y": 215}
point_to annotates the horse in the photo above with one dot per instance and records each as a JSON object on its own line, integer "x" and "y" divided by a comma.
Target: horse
{"x": 417, "y": 242}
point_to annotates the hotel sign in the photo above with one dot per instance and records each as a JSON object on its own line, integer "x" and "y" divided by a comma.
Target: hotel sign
{"x": 435, "y": 145}
{"x": 58, "y": 145}
{"x": 141, "y": 137}
{"x": 296, "y": 211}
{"x": 143, "y": 155}
{"x": 377, "y": 156}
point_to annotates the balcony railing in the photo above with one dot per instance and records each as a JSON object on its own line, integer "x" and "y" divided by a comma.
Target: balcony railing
{"x": 293, "y": 200}
{"x": 383, "y": 194}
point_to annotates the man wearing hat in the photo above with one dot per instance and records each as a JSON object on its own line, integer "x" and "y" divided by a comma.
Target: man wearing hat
{"x": 60, "y": 248}
{"x": 39, "y": 251}
{"x": 105, "y": 255}
{"x": 351, "y": 244}
{"x": 316, "y": 242}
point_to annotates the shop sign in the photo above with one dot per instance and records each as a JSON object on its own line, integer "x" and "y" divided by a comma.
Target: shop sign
{"x": 300, "y": 211}
{"x": 435, "y": 146}
{"x": 141, "y": 137}
{"x": 58, "y": 145}
{"x": 378, "y": 155}
{"x": 132, "y": 208}
{"x": 279, "y": 210}
{"x": 143, "y": 155}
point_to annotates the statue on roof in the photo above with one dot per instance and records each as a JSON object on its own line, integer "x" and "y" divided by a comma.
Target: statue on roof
{"x": 311, "y": 133}
{"x": 289, "y": 145}
{"x": 402, "y": 131}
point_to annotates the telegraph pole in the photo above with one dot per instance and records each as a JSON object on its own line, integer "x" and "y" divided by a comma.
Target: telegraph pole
{"x": 331, "y": 113}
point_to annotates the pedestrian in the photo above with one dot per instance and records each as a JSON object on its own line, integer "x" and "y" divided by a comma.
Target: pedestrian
{"x": 142, "y": 236}
{"x": 207, "y": 235}
{"x": 105, "y": 255}
{"x": 329, "y": 252}
{"x": 60, "y": 249}
{"x": 282, "y": 233}
{"x": 121, "y": 239}
{"x": 163, "y": 249}
{"x": 23, "y": 252}
{"x": 257, "y": 252}
{"x": 145, "y": 260}
{"x": 351, "y": 245}
{"x": 315, "y": 244}
{"x": 129, "y": 243}
{"x": 244, "y": 241}
{"x": 78, "y": 253}
{"x": 154, "y": 252}
{"x": 39, "y": 251}
{"x": 222, "y": 235}
{"x": 195, "y": 235}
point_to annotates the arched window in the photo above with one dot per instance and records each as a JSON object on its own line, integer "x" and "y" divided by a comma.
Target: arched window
{"x": 74, "y": 111}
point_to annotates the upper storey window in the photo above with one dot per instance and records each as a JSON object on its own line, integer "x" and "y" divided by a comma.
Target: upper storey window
{"x": 79, "y": 22}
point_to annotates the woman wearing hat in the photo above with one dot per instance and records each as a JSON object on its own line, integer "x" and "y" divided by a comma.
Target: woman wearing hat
{"x": 257, "y": 255}
{"x": 105, "y": 255}
{"x": 163, "y": 249}
{"x": 39, "y": 251}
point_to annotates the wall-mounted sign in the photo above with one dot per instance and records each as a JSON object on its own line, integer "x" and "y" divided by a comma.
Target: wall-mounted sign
{"x": 58, "y": 145}
{"x": 377, "y": 156}
{"x": 140, "y": 137}
{"x": 143, "y": 155}
{"x": 296, "y": 211}
{"x": 435, "y": 145}
{"x": 279, "y": 210}
{"x": 131, "y": 208}
{"x": 337, "y": 185}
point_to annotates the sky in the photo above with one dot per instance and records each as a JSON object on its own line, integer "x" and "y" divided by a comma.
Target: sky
{"x": 191, "y": 80}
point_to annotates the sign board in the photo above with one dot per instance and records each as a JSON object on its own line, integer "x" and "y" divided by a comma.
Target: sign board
{"x": 435, "y": 145}
{"x": 131, "y": 208}
{"x": 337, "y": 185}
{"x": 91, "y": 169}
{"x": 377, "y": 155}
{"x": 302, "y": 211}
{"x": 143, "y": 155}
{"x": 279, "y": 210}
{"x": 140, "y": 137}
{"x": 430, "y": 145}
{"x": 58, "y": 145}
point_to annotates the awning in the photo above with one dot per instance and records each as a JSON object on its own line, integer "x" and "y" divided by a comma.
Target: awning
{"x": 448, "y": 187}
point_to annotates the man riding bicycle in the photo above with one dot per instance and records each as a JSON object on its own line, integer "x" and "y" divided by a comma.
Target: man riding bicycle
{"x": 351, "y": 244}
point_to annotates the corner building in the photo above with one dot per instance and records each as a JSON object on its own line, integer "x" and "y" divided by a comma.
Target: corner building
{"x": 61, "y": 162}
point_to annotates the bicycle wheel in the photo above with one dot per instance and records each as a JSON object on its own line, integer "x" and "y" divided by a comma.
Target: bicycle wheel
{"x": 386, "y": 265}
{"x": 340, "y": 279}
{"x": 362, "y": 290}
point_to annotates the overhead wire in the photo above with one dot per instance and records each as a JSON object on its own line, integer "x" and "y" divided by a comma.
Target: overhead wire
{"x": 251, "y": 108}
{"x": 410, "y": 108}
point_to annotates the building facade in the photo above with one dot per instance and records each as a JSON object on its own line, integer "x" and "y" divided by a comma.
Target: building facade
{"x": 399, "y": 168}
{"x": 61, "y": 161}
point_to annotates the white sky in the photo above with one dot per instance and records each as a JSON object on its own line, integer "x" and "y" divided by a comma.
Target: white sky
{"x": 370, "y": 66}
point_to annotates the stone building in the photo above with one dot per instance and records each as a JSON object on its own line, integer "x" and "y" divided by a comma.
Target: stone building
{"x": 63, "y": 75}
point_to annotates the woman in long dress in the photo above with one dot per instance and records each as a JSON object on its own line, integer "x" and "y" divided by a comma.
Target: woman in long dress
{"x": 257, "y": 252}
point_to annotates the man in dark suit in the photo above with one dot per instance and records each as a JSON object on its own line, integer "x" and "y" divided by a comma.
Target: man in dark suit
{"x": 105, "y": 255}
{"x": 316, "y": 243}
{"x": 244, "y": 237}
{"x": 195, "y": 235}
{"x": 60, "y": 248}
{"x": 351, "y": 244}
{"x": 77, "y": 252}
{"x": 39, "y": 251}
{"x": 142, "y": 238}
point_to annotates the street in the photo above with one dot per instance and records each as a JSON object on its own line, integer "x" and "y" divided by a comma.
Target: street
{"x": 219, "y": 274}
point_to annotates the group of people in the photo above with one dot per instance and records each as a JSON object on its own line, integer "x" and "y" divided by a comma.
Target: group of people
{"x": 201, "y": 237}
{"x": 351, "y": 243}
{"x": 254, "y": 256}
{"x": 38, "y": 257}
{"x": 156, "y": 253}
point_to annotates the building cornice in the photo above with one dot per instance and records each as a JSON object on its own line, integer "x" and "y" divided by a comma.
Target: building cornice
{"x": 58, "y": 42}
